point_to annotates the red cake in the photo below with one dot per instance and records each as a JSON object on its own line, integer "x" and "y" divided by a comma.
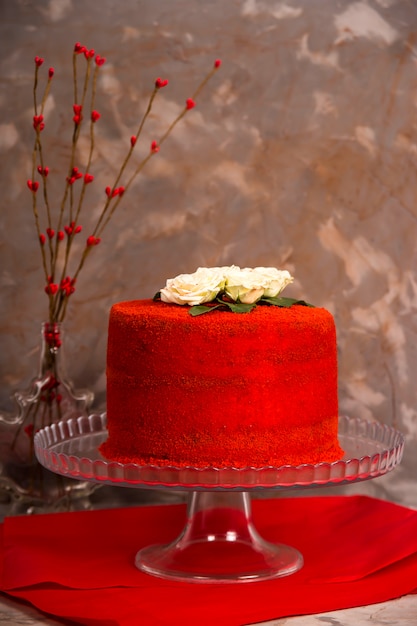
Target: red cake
{"x": 221, "y": 389}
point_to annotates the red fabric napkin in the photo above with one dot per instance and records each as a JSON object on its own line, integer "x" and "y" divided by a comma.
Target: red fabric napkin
{"x": 80, "y": 566}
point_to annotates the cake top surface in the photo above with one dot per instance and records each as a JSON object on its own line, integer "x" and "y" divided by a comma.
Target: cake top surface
{"x": 261, "y": 317}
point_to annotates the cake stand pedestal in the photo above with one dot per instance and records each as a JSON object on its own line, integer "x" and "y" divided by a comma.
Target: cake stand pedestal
{"x": 219, "y": 542}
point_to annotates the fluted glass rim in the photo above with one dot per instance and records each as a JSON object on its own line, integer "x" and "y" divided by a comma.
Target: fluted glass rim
{"x": 70, "y": 448}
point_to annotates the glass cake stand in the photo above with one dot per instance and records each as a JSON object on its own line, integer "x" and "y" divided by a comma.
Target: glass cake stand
{"x": 219, "y": 542}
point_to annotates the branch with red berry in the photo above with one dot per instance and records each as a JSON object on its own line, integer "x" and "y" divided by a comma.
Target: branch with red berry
{"x": 57, "y": 232}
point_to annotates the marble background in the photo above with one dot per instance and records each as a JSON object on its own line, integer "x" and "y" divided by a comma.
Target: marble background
{"x": 300, "y": 154}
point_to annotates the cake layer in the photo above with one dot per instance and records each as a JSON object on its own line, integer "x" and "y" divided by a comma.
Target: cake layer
{"x": 221, "y": 389}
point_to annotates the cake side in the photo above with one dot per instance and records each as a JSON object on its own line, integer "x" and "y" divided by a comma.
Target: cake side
{"x": 221, "y": 389}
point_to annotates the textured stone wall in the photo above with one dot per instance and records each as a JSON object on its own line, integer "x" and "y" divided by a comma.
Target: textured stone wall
{"x": 300, "y": 154}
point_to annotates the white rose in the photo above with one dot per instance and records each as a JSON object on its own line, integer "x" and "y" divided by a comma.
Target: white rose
{"x": 273, "y": 280}
{"x": 201, "y": 286}
{"x": 243, "y": 285}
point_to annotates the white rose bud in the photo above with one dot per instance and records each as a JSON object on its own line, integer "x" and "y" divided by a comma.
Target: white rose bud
{"x": 273, "y": 280}
{"x": 243, "y": 285}
{"x": 202, "y": 286}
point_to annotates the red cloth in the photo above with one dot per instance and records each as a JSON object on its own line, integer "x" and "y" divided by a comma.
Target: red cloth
{"x": 80, "y": 566}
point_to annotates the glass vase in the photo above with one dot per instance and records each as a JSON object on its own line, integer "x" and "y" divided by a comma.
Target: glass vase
{"x": 26, "y": 486}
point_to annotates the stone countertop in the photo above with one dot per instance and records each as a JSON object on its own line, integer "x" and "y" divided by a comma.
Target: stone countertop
{"x": 400, "y": 612}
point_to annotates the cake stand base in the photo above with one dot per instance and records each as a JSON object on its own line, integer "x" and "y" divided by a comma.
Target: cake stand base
{"x": 219, "y": 543}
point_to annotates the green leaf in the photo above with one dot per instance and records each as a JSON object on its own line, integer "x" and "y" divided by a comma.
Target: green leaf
{"x": 200, "y": 309}
{"x": 284, "y": 302}
{"x": 304, "y": 303}
{"x": 240, "y": 307}
{"x": 235, "y": 307}
{"x": 157, "y": 296}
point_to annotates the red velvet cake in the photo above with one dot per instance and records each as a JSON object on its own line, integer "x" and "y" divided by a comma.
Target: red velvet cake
{"x": 221, "y": 389}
